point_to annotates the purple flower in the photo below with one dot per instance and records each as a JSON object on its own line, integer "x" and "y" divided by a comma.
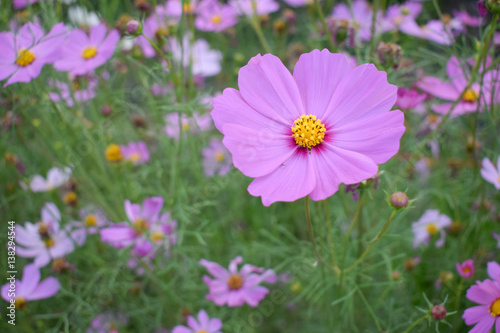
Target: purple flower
{"x": 198, "y": 123}
{"x": 430, "y": 224}
{"x": 450, "y": 91}
{"x": 92, "y": 220}
{"x": 216, "y": 159}
{"x": 157, "y": 28}
{"x": 490, "y": 173}
{"x": 175, "y": 8}
{"x": 409, "y": 98}
{"x": 402, "y": 17}
{"x": 467, "y": 19}
{"x": 20, "y": 4}
{"x": 360, "y": 18}
{"x": 30, "y": 288}
{"x": 466, "y": 270}
{"x": 487, "y": 294}
{"x": 82, "y": 54}
{"x": 259, "y": 7}
{"x": 45, "y": 240}
{"x": 56, "y": 177}
{"x": 26, "y": 52}
{"x": 439, "y": 32}
{"x": 107, "y": 323}
{"x": 214, "y": 16}
{"x": 481, "y": 8}
{"x": 135, "y": 152}
{"x": 235, "y": 288}
{"x": 203, "y": 325}
{"x": 146, "y": 229}
{"x": 80, "y": 94}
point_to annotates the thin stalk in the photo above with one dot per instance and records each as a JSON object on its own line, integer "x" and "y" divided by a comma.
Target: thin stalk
{"x": 330, "y": 236}
{"x": 376, "y": 5}
{"x": 416, "y": 322}
{"x": 373, "y": 242}
{"x": 321, "y": 15}
{"x": 254, "y": 22}
{"x": 310, "y": 229}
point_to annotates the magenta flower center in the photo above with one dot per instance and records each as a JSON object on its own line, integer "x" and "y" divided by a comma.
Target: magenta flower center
{"x": 470, "y": 96}
{"x": 25, "y": 57}
{"x": 89, "y": 52}
{"x": 235, "y": 282}
{"x": 308, "y": 131}
{"x": 495, "y": 308}
{"x": 20, "y": 303}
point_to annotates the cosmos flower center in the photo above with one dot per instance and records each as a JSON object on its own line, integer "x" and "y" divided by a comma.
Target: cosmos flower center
{"x": 25, "y": 57}
{"x": 432, "y": 229}
{"x": 188, "y": 8}
{"x": 202, "y": 331}
{"x": 495, "y": 308}
{"x": 135, "y": 157}
{"x": 446, "y": 18}
{"x": 20, "y": 303}
{"x": 43, "y": 230}
{"x": 90, "y": 220}
{"x": 89, "y": 52}
{"x": 466, "y": 270}
{"x": 216, "y": 19}
{"x": 235, "y": 282}
{"x": 185, "y": 126}
{"x": 219, "y": 157}
{"x": 405, "y": 10}
{"x": 157, "y": 236}
{"x": 308, "y": 131}
{"x": 140, "y": 226}
{"x": 113, "y": 153}
{"x": 470, "y": 96}
{"x": 49, "y": 242}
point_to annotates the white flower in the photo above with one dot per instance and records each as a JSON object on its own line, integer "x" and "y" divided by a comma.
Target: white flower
{"x": 80, "y": 16}
{"x": 55, "y": 178}
{"x": 430, "y": 224}
{"x": 204, "y": 61}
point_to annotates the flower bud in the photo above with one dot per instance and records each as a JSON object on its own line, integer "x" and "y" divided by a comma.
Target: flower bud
{"x": 134, "y": 27}
{"x": 70, "y": 199}
{"x": 493, "y": 6}
{"x": 399, "y": 200}
{"x": 106, "y": 110}
{"x": 389, "y": 54}
{"x": 438, "y": 312}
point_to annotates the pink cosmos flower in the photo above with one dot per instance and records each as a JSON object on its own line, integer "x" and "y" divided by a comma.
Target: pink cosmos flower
{"x": 92, "y": 220}
{"x": 260, "y": 7}
{"x": 487, "y": 294}
{"x": 135, "y": 152}
{"x": 146, "y": 229}
{"x": 214, "y": 16}
{"x": 107, "y": 323}
{"x": 299, "y": 3}
{"x": 496, "y": 38}
{"x": 26, "y": 52}
{"x": 203, "y": 324}
{"x": 216, "y": 159}
{"x": 235, "y": 288}
{"x": 56, "y": 177}
{"x": 45, "y": 240}
{"x": 197, "y": 123}
{"x": 30, "y": 288}
{"x": 467, "y": 19}
{"x": 82, "y": 54}
{"x": 409, "y": 98}
{"x": 438, "y": 32}
{"x": 79, "y": 94}
{"x": 490, "y": 173}
{"x": 430, "y": 224}
{"x": 361, "y": 18}
{"x": 466, "y": 269}
{"x": 451, "y": 91}
{"x": 20, "y": 4}
{"x": 175, "y": 8}
{"x": 203, "y": 60}
{"x": 157, "y": 28}
{"x": 496, "y": 236}
{"x": 306, "y": 134}
{"x": 402, "y": 17}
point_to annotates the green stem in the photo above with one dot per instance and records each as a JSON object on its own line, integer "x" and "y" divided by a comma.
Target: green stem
{"x": 321, "y": 15}
{"x": 254, "y": 21}
{"x": 376, "y": 6}
{"x": 330, "y": 236}
{"x": 416, "y": 322}
{"x": 310, "y": 229}
{"x": 373, "y": 242}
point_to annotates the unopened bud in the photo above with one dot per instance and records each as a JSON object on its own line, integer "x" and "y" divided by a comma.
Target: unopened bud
{"x": 399, "y": 200}
{"x": 438, "y": 312}
{"x": 493, "y": 6}
{"x": 389, "y": 54}
{"x": 71, "y": 199}
{"x": 396, "y": 275}
{"x": 134, "y": 27}
{"x": 106, "y": 110}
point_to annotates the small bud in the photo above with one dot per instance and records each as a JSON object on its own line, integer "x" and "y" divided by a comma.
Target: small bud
{"x": 481, "y": 8}
{"x": 438, "y": 312}
{"x": 493, "y": 6}
{"x": 399, "y": 200}
{"x": 279, "y": 26}
{"x": 121, "y": 23}
{"x": 396, "y": 275}
{"x": 289, "y": 16}
{"x": 106, "y": 110}
{"x": 389, "y": 54}
{"x": 61, "y": 266}
{"x": 411, "y": 263}
{"x": 139, "y": 121}
{"x": 134, "y": 27}
{"x": 142, "y": 5}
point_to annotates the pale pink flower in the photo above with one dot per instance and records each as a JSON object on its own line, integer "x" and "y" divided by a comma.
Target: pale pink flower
{"x": 135, "y": 152}
{"x": 490, "y": 173}
{"x": 204, "y": 324}
{"x": 216, "y": 159}
{"x": 259, "y": 7}
{"x": 430, "y": 224}
{"x": 56, "y": 177}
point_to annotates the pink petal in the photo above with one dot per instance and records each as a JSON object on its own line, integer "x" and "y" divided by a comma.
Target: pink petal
{"x": 484, "y": 326}
{"x": 203, "y": 319}
{"x": 317, "y": 75}
{"x": 438, "y": 88}
{"x": 97, "y": 34}
{"x": 293, "y": 180}
{"x": 215, "y": 269}
{"x": 494, "y": 270}
{"x": 267, "y": 86}
{"x": 31, "y": 277}
{"x": 474, "y": 314}
{"x": 480, "y": 295}
{"x": 456, "y": 74}
{"x": 181, "y": 329}
{"x": 47, "y": 288}
{"x": 214, "y": 325}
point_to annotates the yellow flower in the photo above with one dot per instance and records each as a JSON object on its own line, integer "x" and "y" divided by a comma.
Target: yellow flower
{"x": 113, "y": 153}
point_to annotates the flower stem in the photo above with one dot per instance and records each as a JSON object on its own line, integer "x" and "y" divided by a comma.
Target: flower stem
{"x": 368, "y": 249}
{"x": 254, "y": 21}
{"x": 321, "y": 15}
{"x": 310, "y": 229}
{"x": 416, "y": 322}
{"x": 330, "y": 236}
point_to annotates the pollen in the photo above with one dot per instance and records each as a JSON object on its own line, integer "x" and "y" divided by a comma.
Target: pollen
{"x": 202, "y": 331}
{"x": 470, "y": 96}
{"x": 113, "y": 153}
{"x": 90, "y": 220}
{"x": 49, "y": 242}
{"x": 235, "y": 282}
{"x": 157, "y": 236}
{"x": 89, "y": 52}
{"x": 25, "y": 57}
{"x": 432, "y": 229}
{"x": 495, "y": 308}
{"x": 219, "y": 157}
{"x": 140, "y": 226}
{"x": 216, "y": 19}
{"x": 20, "y": 303}
{"x": 308, "y": 131}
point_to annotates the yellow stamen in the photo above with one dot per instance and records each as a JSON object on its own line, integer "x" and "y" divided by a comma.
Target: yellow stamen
{"x": 49, "y": 242}
{"x": 432, "y": 229}
{"x": 43, "y": 230}
{"x": 135, "y": 157}
{"x": 495, "y": 308}
{"x": 235, "y": 282}
{"x": 89, "y": 52}
{"x": 470, "y": 96}
{"x": 90, "y": 220}
{"x": 466, "y": 270}
{"x": 25, "y": 57}
{"x": 216, "y": 19}
{"x": 433, "y": 118}
{"x": 184, "y": 126}
{"x": 219, "y": 157}
{"x": 70, "y": 198}
{"x": 157, "y": 236}
{"x": 140, "y": 226}
{"x": 20, "y": 303}
{"x": 308, "y": 131}
{"x": 113, "y": 153}
{"x": 404, "y": 10}
{"x": 202, "y": 331}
